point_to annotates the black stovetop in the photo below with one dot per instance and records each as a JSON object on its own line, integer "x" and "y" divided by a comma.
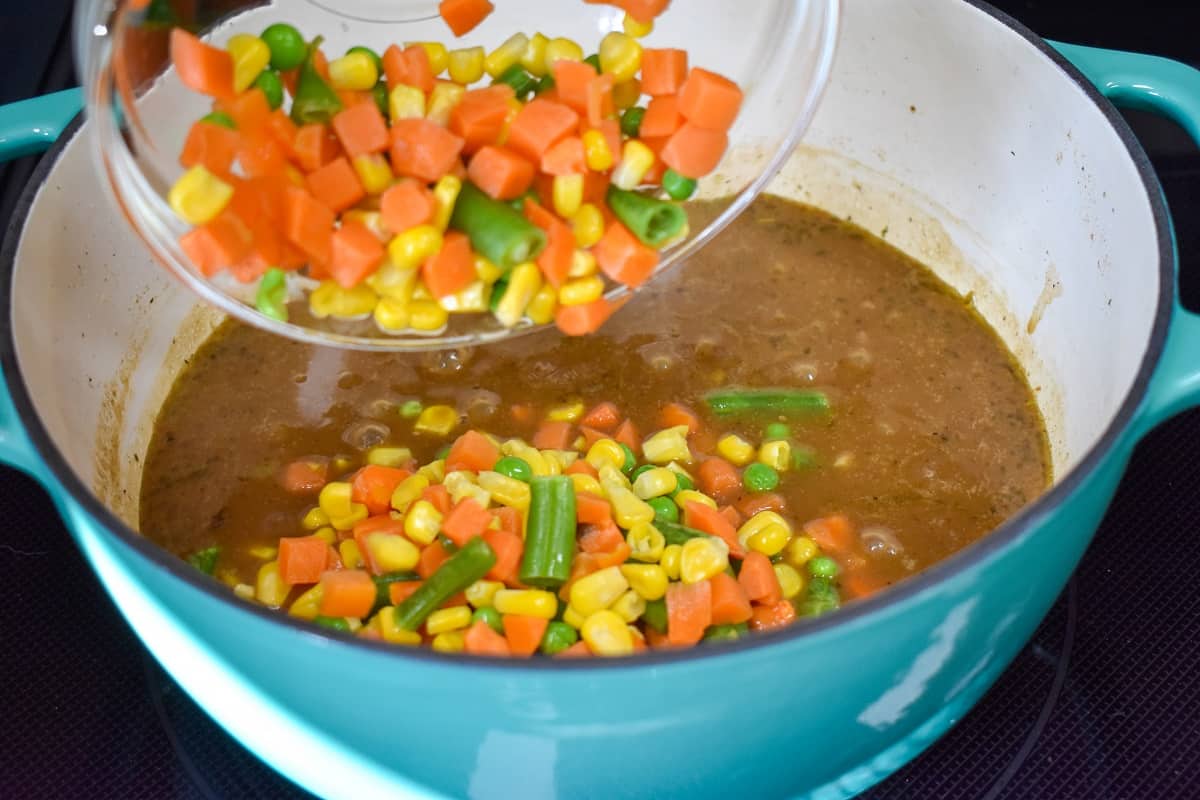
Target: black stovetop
{"x": 1102, "y": 703}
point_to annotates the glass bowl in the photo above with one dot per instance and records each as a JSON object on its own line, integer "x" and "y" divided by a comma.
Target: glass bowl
{"x": 778, "y": 51}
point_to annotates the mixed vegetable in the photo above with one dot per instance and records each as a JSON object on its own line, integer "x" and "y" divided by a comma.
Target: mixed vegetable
{"x": 583, "y": 539}
{"x": 395, "y": 186}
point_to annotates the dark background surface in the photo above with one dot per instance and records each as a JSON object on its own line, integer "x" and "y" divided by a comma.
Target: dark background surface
{"x": 1103, "y": 703}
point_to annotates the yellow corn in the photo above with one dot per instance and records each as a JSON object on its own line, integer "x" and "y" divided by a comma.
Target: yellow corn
{"x": 629, "y": 606}
{"x": 505, "y": 490}
{"x": 331, "y": 300}
{"x": 583, "y": 264}
{"x": 269, "y": 588}
{"x": 351, "y": 557}
{"x": 566, "y": 412}
{"x": 314, "y": 518}
{"x": 445, "y": 195}
{"x": 735, "y": 449}
{"x": 444, "y": 620}
{"x": 473, "y": 298}
{"x": 449, "y": 642}
{"x": 588, "y": 223}
{"x": 482, "y": 593}
{"x": 655, "y": 483}
{"x": 564, "y": 458}
{"x": 385, "y": 623}
{"x": 627, "y": 93}
{"x": 543, "y": 305}
{"x": 670, "y": 560}
{"x": 597, "y": 591}
{"x": 766, "y": 532}
{"x": 567, "y": 194}
{"x": 533, "y": 58}
{"x": 391, "y": 553}
{"x": 635, "y": 27}
{"x": 581, "y": 290}
{"x": 777, "y": 454}
{"x": 702, "y": 558}
{"x": 353, "y": 71}
{"x": 561, "y": 50}
{"x": 527, "y": 602}
{"x": 646, "y": 543}
{"x": 462, "y": 485}
{"x": 373, "y": 172}
{"x": 371, "y": 220}
{"x": 434, "y": 471}
{"x": 388, "y": 456}
{"x": 406, "y": 102}
{"x": 800, "y": 551}
{"x": 335, "y": 501}
{"x": 438, "y": 420}
{"x": 620, "y": 56}
{"x": 606, "y": 451}
{"x": 426, "y": 315}
{"x": 532, "y": 456}
{"x": 264, "y": 552}
{"x": 308, "y": 604}
{"x": 409, "y": 249}
{"x": 790, "y": 581}
{"x": 439, "y": 56}
{"x": 422, "y": 522}
{"x": 244, "y": 591}
{"x": 586, "y": 483}
{"x": 596, "y": 153}
{"x": 692, "y": 496}
{"x": 198, "y": 196}
{"x": 636, "y": 161}
{"x": 486, "y": 271}
{"x": 408, "y": 491}
{"x": 507, "y": 54}
{"x": 669, "y": 444}
{"x": 648, "y": 580}
{"x": 329, "y": 535}
{"x": 442, "y": 100}
{"x": 573, "y": 618}
{"x": 523, "y": 284}
{"x": 250, "y": 57}
{"x": 466, "y": 65}
{"x": 607, "y": 634}
{"x": 393, "y": 282}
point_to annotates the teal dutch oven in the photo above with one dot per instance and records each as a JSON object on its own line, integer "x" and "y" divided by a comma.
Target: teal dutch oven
{"x": 993, "y": 156}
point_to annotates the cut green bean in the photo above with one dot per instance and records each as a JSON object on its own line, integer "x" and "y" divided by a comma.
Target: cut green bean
{"x": 545, "y": 84}
{"x": 674, "y": 533}
{"x": 522, "y": 82}
{"x": 652, "y": 220}
{"x": 333, "y": 623}
{"x": 655, "y": 615}
{"x": 782, "y": 401}
{"x": 549, "y": 532}
{"x": 383, "y": 584}
{"x": 271, "y": 298}
{"x": 726, "y": 633}
{"x": 499, "y": 233}
{"x": 469, "y": 564}
{"x": 315, "y": 101}
{"x": 205, "y": 560}
{"x": 220, "y": 118}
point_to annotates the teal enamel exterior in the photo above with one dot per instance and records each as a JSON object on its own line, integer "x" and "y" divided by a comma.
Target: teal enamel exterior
{"x": 821, "y": 711}
{"x": 31, "y": 126}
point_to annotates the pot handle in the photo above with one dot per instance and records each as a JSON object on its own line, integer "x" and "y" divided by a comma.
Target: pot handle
{"x": 15, "y": 448}
{"x": 1171, "y": 89}
{"x": 31, "y": 126}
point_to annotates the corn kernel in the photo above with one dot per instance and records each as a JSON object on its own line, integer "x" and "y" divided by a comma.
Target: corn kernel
{"x": 353, "y": 71}
{"x": 250, "y": 57}
{"x": 388, "y": 456}
{"x": 777, "y": 454}
{"x": 526, "y": 602}
{"x": 444, "y": 620}
{"x": 449, "y": 642}
{"x": 406, "y": 102}
{"x": 776, "y": 529}
{"x": 567, "y": 194}
{"x": 385, "y": 622}
{"x": 462, "y": 485}
{"x": 620, "y": 56}
{"x": 566, "y": 412}
{"x": 655, "y": 483}
{"x": 308, "y": 604}
{"x": 543, "y": 305}
{"x": 583, "y": 264}
{"x": 445, "y": 195}
{"x": 486, "y": 271}
{"x": 373, "y": 172}
{"x": 505, "y": 490}
{"x": 693, "y": 496}
{"x": 244, "y": 591}
{"x": 581, "y": 290}
{"x": 523, "y": 283}
{"x": 329, "y": 535}
{"x": 439, "y": 56}
{"x": 646, "y": 543}
{"x": 371, "y": 220}
{"x": 408, "y": 491}
{"x": 588, "y": 226}
{"x": 669, "y": 444}
{"x": 314, "y": 518}
{"x": 564, "y": 458}
{"x": 434, "y": 471}
{"x": 607, "y": 634}
{"x": 391, "y": 553}
{"x": 735, "y": 450}
{"x": 606, "y": 452}
{"x": 411, "y": 248}
{"x": 442, "y": 100}
{"x": 702, "y": 558}
{"x": 801, "y": 550}
{"x": 466, "y": 65}
{"x": 533, "y": 57}
{"x": 636, "y": 161}
{"x": 670, "y": 560}
{"x": 426, "y": 315}
{"x": 531, "y": 455}
{"x": 635, "y": 27}
{"x": 422, "y": 522}
{"x": 561, "y": 49}
{"x": 482, "y": 593}
{"x": 438, "y": 420}
{"x": 626, "y": 94}
{"x": 351, "y": 557}
{"x": 331, "y": 300}
{"x": 648, "y": 580}
{"x": 198, "y": 196}
{"x": 629, "y": 606}
{"x": 573, "y": 618}
{"x": 335, "y": 501}
{"x": 790, "y": 581}
{"x": 597, "y": 591}
{"x": 507, "y": 54}
{"x": 586, "y": 483}
{"x": 597, "y": 154}
{"x": 393, "y": 282}
{"x": 473, "y": 298}
{"x": 269, "y": 588}
{"x": 264, "y": 552}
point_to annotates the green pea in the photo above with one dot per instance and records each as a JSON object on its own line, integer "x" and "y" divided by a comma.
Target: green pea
{"x": 205, "y": 560}
{"x": 760, "y": 478}
{"x": 271, "y": 297}
{"x": 380, "y": 95}
{"x": 370, "y": 53}
{"x": 220, "y": 118}
{"x": 268, "y": 80}
{"x": 411, "y": 408}
{"x": 823, "y": 567}
{"x": 776, "y": 431}
{"x": 820, "y": 598}
{"x": 594, "y": 61}
{"x": 725, "y": 633}
{"x": 676, "y": 186}
{"x": 558, "y": 637}
{"x": 633, "y": 476}
{"x": 631, "y": 121}
{"x": 665, "y": 509}
{"x": 630, "y": 459}
{"x": 492, "y": 617}
{"x": 514, "y": 467}
{"x": 682, "y": 483}
{"x": 333, "y": 623}
{"x": 287, "y": 45}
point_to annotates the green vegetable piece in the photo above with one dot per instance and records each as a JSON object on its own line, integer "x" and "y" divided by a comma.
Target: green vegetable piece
{"x": 521, "y": 81}
{"x": 655, "y": 615}
{"x": 220, "y": 118}
{"x": 675, "y": 533}
{"x": 498, "y": 290}
{"x": 803, "y": 457}
{"x": 271, "y": 298}
{"x": 651, "y": 220}
{"x": 760, "y": 477}
{"x": 776, "y": 431}
{"x": 683, "y": 483}
{"x": 558, "y": 637}
{"x": 518, "y": 203}
{"x": 442, "y": 452}
{"x": 821, "y": 597}
{"x": 549, "y": 532}
{"x": 469, "y": 564}
{"x": 726, "y": 633}
{"x": 447, "y": 543}
{"x": 545, "y": 84}
{"x": 594, "y": 61}
{"x": 779, "y": 401}
{"x": 383, "y": 585}
{"x": 315, "y": 101}
{"x": 491, "y": 616}
{"x": 205, "y": 560}
{"x": 371, "y": 54}
{"x": 271, "y": 85}
{"x": 665, "y": 509}
{"x": 677, "y": 186}
{"x": 333, "y": 623}
{"x": 633, "y": 476}
{"x": 286, "y": 44}
{"x": 514, "y": 467}
{"x": 630, "y": 459}
{"x": 380, "y": 96}
{"x": 411, "y": 409}
{"x": 823, "y": 567}
{"x": 631, "y": 121}
{"x": 498, "y": 232}
{"x": 159, "y": 13}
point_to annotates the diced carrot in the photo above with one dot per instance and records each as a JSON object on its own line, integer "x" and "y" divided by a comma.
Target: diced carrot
{"x": 409, "y": 66}
{"x": 361, "y": 129}
{"x": 833, "y": 534}
{"x": 583, "y": 319}
{"x": 581, "y": 467}
{"x": 555, "y": 259}
{"x": 693, "y": 151}
{"x": 423, "y": 149}
{"x": 356, "y": 254}
{"x": 305, "y": 476}
{"x": 565, "y": 158}
{"x": 261, "y": 156}
{"x": 674, "y": 414}
{"x": 627, "y": 434}
{"x": 604, "y": 537}
{"x": 757, "y": 577}
{"x": 320, "y": 64}
{"x": 281, "y": 128}
{"x": 730, "y": 605}
{"x": 751, "y": 504}
{"x": 347, "y": 593}
{"x": 591, "y": 435}
{"x": 603, "y": 417}
{"x": 352, "y": 98}
{"x": 577, "y": 650}
{"x": 600, "y": 99}
{"x": 709, "y": 101}
{"x": 611, "y": 129}
{"x": 689, "y": 611}
{"x": 472, "y": 451}
{"x": 373, "y": 486}
{"x": 250, "y": 268}
{"x": 500, "y": 172}
{"x": 336, "y": 185}
{"x": 510, "y": 519}
{"x": 465, "y": 521}
{"x": 213, "y": 146}
{"x": 731, "y": 515}
{"x": 438, "y": 496}
{"x": 405, "y": 205}
{"x": 508, "y": 547}
{"x": 302, "y": 559}
{"x": 201, "y": 67}
{"x": 521, "y": 413}
{"x": 457, "y": 599}
{"x": 571, "y": 81}
{"x": 250, "y": 111}
{"x": 775, "y": 615}
{"x": 479, "y": 117}
{"x": 432, "y": 557}
{"x": 642, "y": 10}
{"x": 399, "y": 591}
{"x": 217, "y": 244}
{"x": 332, "y": 559}
{"x": 859, "y": 583}
{"x": 662, "y": 117}
{"x": 463, "y": 15}
{"x": 663, "y": 71}
{"x": 524, "y": 633}
{"x": 623, "y": 258}
{"x": 290, "y": 77}
{"x": 481, "y": 640}
{"x": 552, "y": 435}
{"x": 719, "y": 479}
{"x": 539, "y": 125}
{"x": 314, "y": 146}
{"x": 592, "y": 509}
{"x": 709, "y": 520}
{"x": 452, "y": 268}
